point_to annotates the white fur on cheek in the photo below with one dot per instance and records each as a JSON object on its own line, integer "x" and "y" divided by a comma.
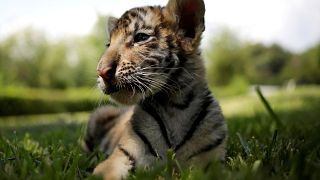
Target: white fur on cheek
{"x": 100, "y": 83}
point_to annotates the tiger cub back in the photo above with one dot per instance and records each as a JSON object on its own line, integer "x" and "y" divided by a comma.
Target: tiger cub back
{"x": 154, "y": 65}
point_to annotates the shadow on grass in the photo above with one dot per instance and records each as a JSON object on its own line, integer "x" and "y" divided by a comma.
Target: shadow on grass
{"x": 291, "y": 151}
{"x": 47, "y": 151}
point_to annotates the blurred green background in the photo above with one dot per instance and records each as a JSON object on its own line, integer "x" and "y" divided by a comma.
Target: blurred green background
{"x": 40, "y": 75}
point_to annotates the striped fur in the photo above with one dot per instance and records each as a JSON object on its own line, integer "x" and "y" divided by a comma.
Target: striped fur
{"x": 153, "y": 64}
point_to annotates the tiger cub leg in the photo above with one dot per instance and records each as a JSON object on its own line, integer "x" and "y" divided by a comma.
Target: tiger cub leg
{"x": 116, "y": 167}
{"x": 205, "y": 159}
{"x": 128, "y": 154}
{"x": 105, "y": 128}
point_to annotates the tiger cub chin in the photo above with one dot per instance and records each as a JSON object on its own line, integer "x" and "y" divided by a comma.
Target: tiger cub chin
{"x": 153, "y": 64}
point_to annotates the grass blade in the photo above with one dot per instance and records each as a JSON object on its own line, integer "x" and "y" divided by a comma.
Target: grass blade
{"x": 244, "y": 145}
{"x": 272, "y": 144}
{"x": 268, "y": 107}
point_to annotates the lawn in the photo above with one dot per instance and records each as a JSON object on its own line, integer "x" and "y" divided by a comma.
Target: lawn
{"x": 280, "y": 142}
{"x": 44, "y": 101}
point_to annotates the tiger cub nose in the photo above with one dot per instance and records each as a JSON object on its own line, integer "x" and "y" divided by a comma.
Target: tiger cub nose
{"x": 107, "y": 72}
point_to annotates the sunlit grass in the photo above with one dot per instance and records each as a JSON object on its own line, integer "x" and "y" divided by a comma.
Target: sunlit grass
{"x": 22, "y": 101}
{"x": 281, "y": 101}
{"x": 32, "y": 120}
{"x": 50, "y": 94}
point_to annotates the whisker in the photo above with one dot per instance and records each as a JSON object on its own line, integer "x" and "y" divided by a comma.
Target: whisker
{"x": 142, "y": 84}
{"x": 141, "y": 89}
{"x": 158, "y": 84}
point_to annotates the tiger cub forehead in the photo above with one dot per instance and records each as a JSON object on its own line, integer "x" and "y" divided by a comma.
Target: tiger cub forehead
{"x": 147, "y": 19}
{"x": 142, "y": 17}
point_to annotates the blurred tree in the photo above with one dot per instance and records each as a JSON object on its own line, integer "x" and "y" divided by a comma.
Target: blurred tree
{"x": 304, "y": 68}
{"x": 6, "y": 65}
{"x": 57, "y": 71}
{"x": 224, "y": 58}
{"x": 27, "y": 58}
{"x": 231, "y": 60}
{"x": 264, "y": 64}
{"x": 22, "y": 57}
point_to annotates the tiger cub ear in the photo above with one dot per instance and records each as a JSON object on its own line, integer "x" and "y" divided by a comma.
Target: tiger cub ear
{"x": 111, "y": 24}
{"x": 188, "y": 17}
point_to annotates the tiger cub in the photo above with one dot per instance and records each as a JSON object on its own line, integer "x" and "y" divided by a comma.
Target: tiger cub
{"x": 153, "y": 64}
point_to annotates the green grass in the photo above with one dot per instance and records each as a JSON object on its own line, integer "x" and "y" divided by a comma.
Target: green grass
{"x": 42, "y": 101}
{"x": 259, "y": 147}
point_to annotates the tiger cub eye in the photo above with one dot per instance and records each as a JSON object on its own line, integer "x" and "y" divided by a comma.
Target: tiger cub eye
{"x": 141, "y": 37}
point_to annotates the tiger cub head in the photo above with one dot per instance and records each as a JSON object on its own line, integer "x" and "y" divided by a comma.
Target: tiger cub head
{"x": 145, "y": 46}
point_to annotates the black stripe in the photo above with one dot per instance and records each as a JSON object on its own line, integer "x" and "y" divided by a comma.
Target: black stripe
{"x": 145, "y": 141}
{"x": 125, "y": 20}
{"x": 152, "y": 112}
{"x": 186, "y": 102}
{"x": 147, "y": 27}
{"x": 176, "y": 74}
{"x": 133, "y": 14}
{"x": 89, "y": 142}
{"x": 136, "y": 27}
{"x": 180, "y": 68}
{"x": 153, "y": 45}
{"x": 130, "y": 157}
{"x": 197, "y": 119}
{"x": 157, "y": 31}
{"x": 168, "y": 58}
{"x": 209, "y": 147}
{"x": 141, "y": 10}
{"x": 124, "y": 16}
{"x": 158, "y": 58}
{"x": 151, "y": 7}
{"x": 169, "y": 41}
{"x": 152, "y": 63}
{"x": 171, "y": 61}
